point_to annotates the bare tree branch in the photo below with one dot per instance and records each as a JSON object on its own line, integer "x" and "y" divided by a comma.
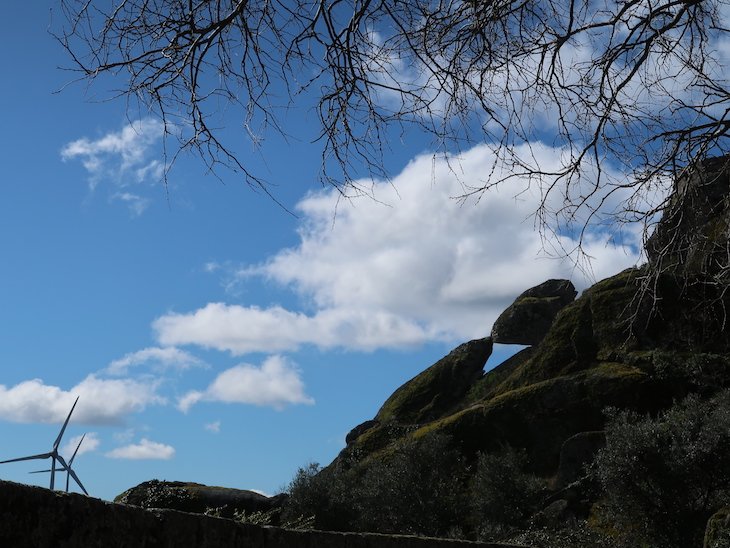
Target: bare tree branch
{"x": 633, "y": 92}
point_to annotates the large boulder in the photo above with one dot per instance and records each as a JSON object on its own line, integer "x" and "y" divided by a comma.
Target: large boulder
{"x": 440, "y": 388}
{"x": 198, "y": 498}
{"x": 360, "y": 429}
{"x": 528, "y": 319}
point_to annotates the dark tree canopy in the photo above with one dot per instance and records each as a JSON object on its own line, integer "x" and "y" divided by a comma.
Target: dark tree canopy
{"x": 632, "y": 91}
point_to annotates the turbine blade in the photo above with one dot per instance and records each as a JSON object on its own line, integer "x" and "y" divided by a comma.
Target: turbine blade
{"x": 45, "y": 471}
{"x": 78, "y": 481}
{"x": 32, "y": 457}
{"x": 65, "y": 424}
{"x": 70, "y": 462}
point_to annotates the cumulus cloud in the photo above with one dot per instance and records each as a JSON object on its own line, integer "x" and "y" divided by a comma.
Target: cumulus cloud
{"x": 144, "y": 450}
{"x": 90, "y": 443}
{"x": 276, "y": 383}
{"x": 242, "y": 330}
{"x": 157, "y": 358}
{"x": 123, "y": 159}
{"x": 411, "y": 265}
{"x": 101, "y": 401}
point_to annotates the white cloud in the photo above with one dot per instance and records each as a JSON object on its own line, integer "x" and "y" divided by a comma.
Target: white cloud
{"x": 156, "y": 357}
{"x": 276, "y": 383}
{"x": 122, "y": 159}
{"x": 101, "y": 401}
{"x": 90, "y": 443}
{"x": 411, "y": 265}
{"x": 144, "y": 450}
{"x": 214, "y": 427}
{"x": 241, "y": 330}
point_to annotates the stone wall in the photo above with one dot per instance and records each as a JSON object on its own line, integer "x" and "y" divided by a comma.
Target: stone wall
{"x": 35, "y": 517}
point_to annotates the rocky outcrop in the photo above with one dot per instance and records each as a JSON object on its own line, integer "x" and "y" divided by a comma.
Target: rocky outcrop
{"x": 529, "y": 318}
{"x": 694, "y": 233}
{"x": 33, "y": 517}
{"x": 198, "y": 498}
{"x": 541, "y": 416}
{"x": 610, "y": 347}
{"x": 640, "y": 340}
{"x": 440, "y": 388}
{"x": 360, "y": 429}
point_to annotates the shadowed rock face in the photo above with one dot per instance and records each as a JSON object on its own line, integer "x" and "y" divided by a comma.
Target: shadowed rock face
{"x": 694, "y": 233}
{"x": 529, "y": 318}
{"x": 577, "y": 452}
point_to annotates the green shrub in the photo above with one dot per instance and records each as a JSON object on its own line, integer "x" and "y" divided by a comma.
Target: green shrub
{"x": 663, "y": 477}
{"x": 503, "y": 494}
{"x": 415, "y": 488}
{"x": 309, "y": 496}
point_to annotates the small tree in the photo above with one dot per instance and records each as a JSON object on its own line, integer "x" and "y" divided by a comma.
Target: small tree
{"x": 663, "y": 477}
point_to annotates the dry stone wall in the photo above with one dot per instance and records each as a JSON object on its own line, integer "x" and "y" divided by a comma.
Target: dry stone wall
{"x": 34, "y": 517}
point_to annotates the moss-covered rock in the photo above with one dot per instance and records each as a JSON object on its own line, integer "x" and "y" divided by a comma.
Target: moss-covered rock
{"x": 488, "y": 386}
{"x": 541, "y": 416}
{"x": 440, "y": 388}
{"x": 527, "y": 320}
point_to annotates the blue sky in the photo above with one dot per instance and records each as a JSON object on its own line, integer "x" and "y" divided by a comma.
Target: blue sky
{"x": 211, "y": 335}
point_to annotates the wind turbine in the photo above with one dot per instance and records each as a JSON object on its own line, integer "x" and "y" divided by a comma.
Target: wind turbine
{"x": 68, "y": 468}
{"x": 54, "y": 456}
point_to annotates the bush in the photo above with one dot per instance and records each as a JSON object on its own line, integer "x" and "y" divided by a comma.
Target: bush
{"x": 663, "y": 477}
{"x": 309, "y": 497}
{"x": 503, "y": 494}
{"x": 414, "y": 488}
{"x": 417, "y": 489}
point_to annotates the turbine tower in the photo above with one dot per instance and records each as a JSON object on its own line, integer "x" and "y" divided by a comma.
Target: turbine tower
{"x": 54, "y": 456}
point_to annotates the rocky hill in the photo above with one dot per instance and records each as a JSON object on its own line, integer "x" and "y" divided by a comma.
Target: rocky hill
{"x": 639, "y": 341}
